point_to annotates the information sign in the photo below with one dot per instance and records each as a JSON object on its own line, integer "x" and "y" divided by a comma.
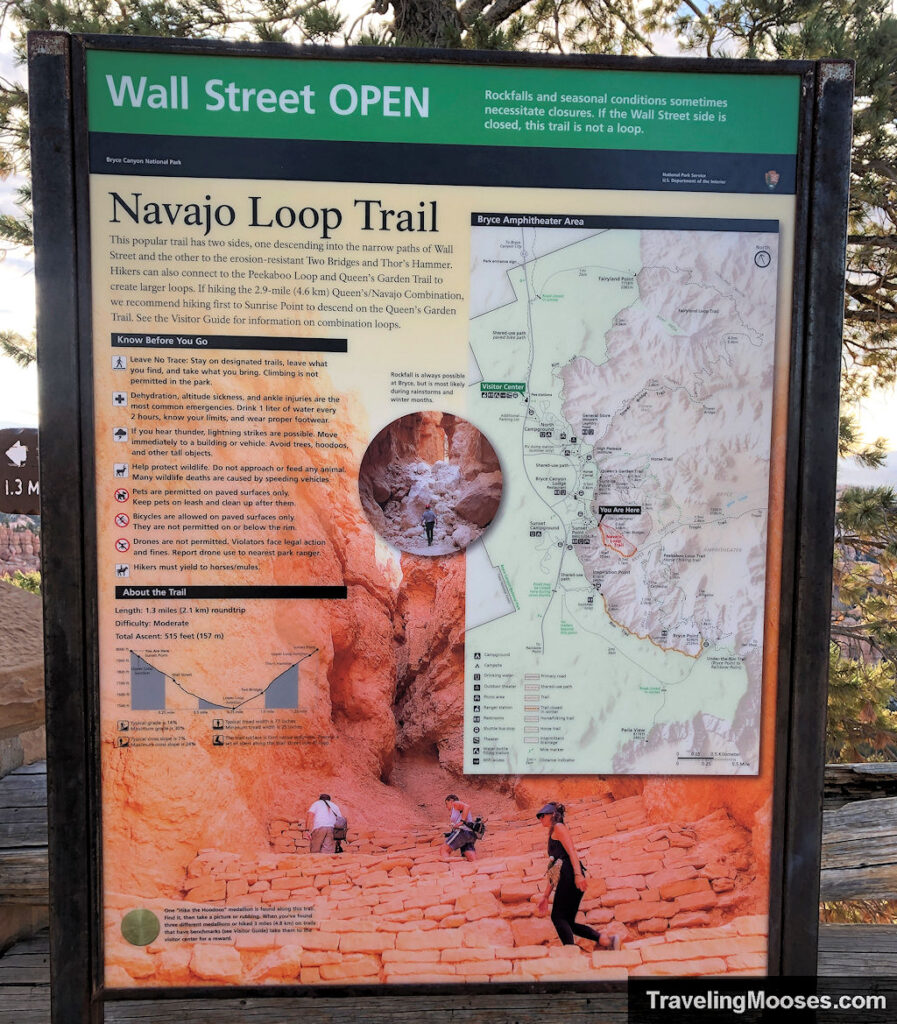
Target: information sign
{"x": 440, "y": 435}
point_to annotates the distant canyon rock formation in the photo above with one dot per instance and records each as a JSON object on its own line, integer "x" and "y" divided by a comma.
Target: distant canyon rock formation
{"x": 435, "y": 460}
{"x": 19, "y": 547}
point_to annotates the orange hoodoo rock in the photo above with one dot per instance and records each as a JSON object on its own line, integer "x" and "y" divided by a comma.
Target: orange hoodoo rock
{"x": 429, "y": 708}
{"x": 19, "y": 547}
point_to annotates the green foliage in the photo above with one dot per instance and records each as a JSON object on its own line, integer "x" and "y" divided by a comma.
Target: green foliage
{"x": 850, "y": 443}
{"x": 19, "y": 349}
{"x": 582, "y": 26}
{"x": 321, "y": 24}
{"x": 865, "y": 31}
{"x": 861, "y": 727}
{"x": 863, "y": 663}
{"x": 29, "y": 581}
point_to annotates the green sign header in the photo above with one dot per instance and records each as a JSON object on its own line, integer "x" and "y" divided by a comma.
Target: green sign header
{"x": 366, "y": 101}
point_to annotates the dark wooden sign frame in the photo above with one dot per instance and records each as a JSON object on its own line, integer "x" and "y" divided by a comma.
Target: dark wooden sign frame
{"x": 60, "y": 175}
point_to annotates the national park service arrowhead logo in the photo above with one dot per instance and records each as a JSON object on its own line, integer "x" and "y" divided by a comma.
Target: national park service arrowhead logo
{"x": 772, "y": 179}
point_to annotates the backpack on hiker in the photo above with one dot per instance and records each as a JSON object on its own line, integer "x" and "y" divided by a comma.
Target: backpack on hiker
{"x": 340, "y": 824}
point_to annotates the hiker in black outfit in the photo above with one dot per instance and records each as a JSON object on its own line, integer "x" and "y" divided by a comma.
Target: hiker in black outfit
{"x": 428, "y": 521}
{"x": 571, "y": 883}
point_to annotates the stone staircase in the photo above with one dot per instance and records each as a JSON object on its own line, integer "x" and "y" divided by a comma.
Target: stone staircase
{"x": 389, "y": 910}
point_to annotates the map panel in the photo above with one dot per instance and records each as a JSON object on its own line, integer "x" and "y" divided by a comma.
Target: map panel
{"x": 623, "y": 369}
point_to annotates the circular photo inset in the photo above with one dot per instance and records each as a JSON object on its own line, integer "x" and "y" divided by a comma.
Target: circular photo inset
{"x": 430, "y": 483}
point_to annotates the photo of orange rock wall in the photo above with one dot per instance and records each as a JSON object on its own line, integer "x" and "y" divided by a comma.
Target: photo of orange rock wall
{"x": 678, "y": 869}
{"x": 430, "y": 469}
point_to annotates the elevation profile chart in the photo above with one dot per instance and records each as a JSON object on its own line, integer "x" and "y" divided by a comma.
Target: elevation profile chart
{"x": 152, "y": 689}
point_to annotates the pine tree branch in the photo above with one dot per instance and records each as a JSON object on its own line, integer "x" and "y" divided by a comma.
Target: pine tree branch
{"x": 470, "y": 10}
{"x": 881, "y": 168}
{"x": 709, "y": 28}
{"x": 501, "y": 10}
{"x": 646, "y": 43}
{"x": 870, "y": 316}
{"x": 852, "y": 637}
{"x": 885, "y": 241}
{"x": 19, "y": 349}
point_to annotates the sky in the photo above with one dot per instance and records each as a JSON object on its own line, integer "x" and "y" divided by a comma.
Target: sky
{"x": 877, "y": 418}
{"x": 18, "y": 387}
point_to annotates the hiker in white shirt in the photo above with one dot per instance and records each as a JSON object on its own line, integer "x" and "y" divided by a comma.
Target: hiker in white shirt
{"x": 319, "y": 822}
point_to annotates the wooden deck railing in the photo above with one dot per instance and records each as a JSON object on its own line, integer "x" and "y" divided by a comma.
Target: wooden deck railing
{"x": 859, "y": 832}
